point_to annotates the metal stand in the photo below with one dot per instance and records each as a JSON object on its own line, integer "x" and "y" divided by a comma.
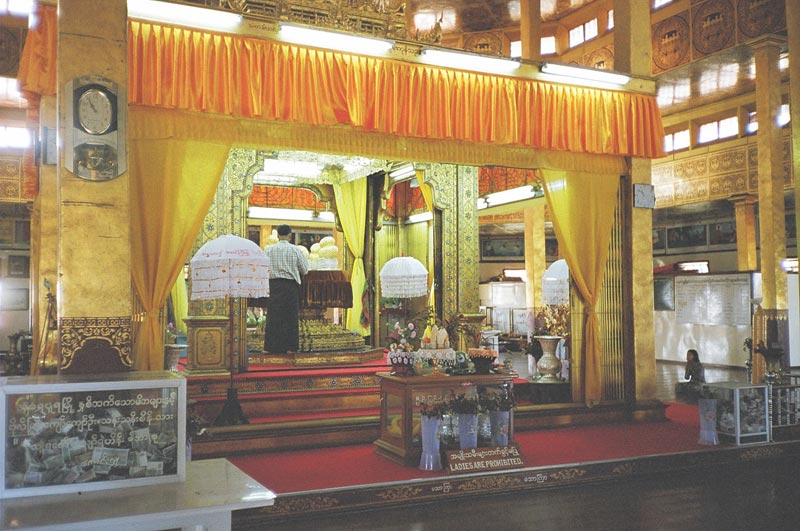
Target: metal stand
{"x": 231, "y": 414}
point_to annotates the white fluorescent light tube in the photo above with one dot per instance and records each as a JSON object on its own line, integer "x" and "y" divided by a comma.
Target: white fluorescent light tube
{"x": 407, "y": 170}
{"x": 509, "y": 196}
{"x": 789, "y": 265}
{"x": 467, "y": 61}
{"x": 419, "y": 218}
{"x": 288, "y": 214}
{"x": 588, "y": 74}
{"x": 331, "y": 40}
{"x": 297, "y": 168}
{"x": 184, "y": 15}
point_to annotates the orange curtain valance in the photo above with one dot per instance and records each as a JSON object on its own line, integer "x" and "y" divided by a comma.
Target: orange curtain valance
{"x": 178, "y": 68}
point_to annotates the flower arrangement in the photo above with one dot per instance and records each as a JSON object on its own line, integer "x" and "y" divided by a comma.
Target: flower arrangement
{"x": 433, "y": 409}
{"x": 492, "y": 401}
{"x": 551, "y": 319}
{"x": 170, "y": 334}
{"x": 462, "y": 404}
{"x": 402, "y": 337}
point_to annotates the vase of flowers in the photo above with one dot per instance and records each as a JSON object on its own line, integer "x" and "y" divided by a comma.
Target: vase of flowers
{"x": 431, "y": 414}
{"x": 499, "y": 406}
{"x": 466, "y": 409}
{"x": 401, "y": 349}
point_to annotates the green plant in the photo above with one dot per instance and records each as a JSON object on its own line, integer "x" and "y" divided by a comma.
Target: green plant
{"x": 492, "y": 401}
{"x": 462, "y": 404}
{"x": 433, "y": 409}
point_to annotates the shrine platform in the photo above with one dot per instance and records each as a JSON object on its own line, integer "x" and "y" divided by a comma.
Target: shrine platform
{"x": 293, "y": 407}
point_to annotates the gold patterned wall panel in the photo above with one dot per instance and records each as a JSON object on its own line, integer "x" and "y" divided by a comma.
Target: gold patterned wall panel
{"x": 11, "y": 178}
{"x": 670, "y": 43}
{"x": 468, "y": 246}
{"x": 713, "y": 27}
{"x": 443, "y": 179}
{"x": 757, "y": 17}
{"x": 95, "y": 344}
{"x": 716, "y": 174}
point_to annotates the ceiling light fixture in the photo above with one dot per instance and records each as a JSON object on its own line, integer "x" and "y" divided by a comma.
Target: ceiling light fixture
{"x": 510, "y": 196}
{"x": 184, "y": 15}
{"x": 585, "y": 74}
{"x": 289, "y": 214}
{"x": 421, "y": 217}
{"x": 402, "y": 172}
{"x": 332, "y": 40}
{"x": 468, "y": 61}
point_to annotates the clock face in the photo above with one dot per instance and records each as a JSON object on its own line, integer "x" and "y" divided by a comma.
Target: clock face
{"x": 95, "y": 112}
{"x": 644, "y": 196}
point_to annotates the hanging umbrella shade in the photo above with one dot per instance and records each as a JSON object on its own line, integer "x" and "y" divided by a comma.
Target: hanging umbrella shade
{"x": 404, "y": 277}
{"x": 229, "y": 266}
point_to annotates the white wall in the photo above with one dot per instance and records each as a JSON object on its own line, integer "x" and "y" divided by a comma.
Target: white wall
{"x": 716, "y": 344}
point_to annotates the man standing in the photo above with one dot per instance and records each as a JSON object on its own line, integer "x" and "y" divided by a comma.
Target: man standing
{"x": 288, "y": 265}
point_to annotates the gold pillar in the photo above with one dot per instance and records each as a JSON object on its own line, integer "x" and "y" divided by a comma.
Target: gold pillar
{"x": 92, "y": 218}
{"x": 793, "y": 30}
{"x": 530, "y": 25}
{"x": 44, "y": 249}
{"x": 772, "y": 224}
{"x": 535, "y": 256}
{"x": 745, "y": 213}
{"x": 632, "y": 55}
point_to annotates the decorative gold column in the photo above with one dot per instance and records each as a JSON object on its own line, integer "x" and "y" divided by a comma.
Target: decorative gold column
{"x": 208, "y": 321}
{"x": 793, "y": 29}
{"x": 535, "y": 255}
{"x": 530, "y": 25}
{"x": 745, "y": 214}
{"x": 772, "y": 224}
{"x": 632, "y": 54}
{"x": 92, "y": 218}
{"x": 44, "y": 249}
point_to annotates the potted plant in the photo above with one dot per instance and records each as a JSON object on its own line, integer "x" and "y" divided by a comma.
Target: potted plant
{"x": 466, "y": 410}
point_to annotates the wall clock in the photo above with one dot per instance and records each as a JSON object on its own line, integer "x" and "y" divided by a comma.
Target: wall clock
{"x": 95, "y": 135}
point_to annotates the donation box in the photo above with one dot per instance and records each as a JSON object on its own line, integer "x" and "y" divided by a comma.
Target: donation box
{"x": 90, "y": 432}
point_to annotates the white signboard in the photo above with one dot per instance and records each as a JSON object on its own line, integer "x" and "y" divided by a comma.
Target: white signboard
{"x": 713, "y": 299}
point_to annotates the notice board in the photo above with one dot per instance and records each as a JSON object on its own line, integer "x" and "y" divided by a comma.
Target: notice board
{"x": 713, "y": 299}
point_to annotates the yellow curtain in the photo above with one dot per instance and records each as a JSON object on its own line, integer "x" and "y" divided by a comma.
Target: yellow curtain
{"x": 582, "y": 209}
{"x": 427, "y": 195}
{"x": 173, "y": 182}
{"x": 242, "y": 76}
{"x": 351, "y": 205}
{"x": 38, "y": 63}
{"x": 180, "y": 303}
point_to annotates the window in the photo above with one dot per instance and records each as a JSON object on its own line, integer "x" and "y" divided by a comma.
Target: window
{"x": 660, "y": 3}
{"x": 610, "y": 20}
{"x": 16, "y": 7}
{"x": 783, "y": 115}
{"x": 14, "y": 137}
{"x": 576, "y": 36}
{"x": 548, "y": 45}
{"x": 752, "y": 123}
{"x": 516, "y": 49}
{"x": 725, "y": 128}
{"x": 677, "y": 140}
{"x": 584, "y": 32}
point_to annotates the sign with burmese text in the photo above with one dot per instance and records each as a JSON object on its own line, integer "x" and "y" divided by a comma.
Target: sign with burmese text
{"x": 483, "y": 459}
{"x": 68, "y": 440}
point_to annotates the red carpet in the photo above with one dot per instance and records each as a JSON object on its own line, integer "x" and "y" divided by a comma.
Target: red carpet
{"x": 286, "y": 472}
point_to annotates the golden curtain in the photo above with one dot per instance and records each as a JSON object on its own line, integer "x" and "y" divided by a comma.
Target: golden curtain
{"x": 351, "y": 204}
{"x": 241, "y": 76}
{"x": 180, "y": 303}
{"x": 38, "y": 63}
{"x": 582, "y": 209}
{"x": 173, "y": 182}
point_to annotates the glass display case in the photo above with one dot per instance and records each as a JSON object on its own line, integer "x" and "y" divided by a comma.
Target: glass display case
{"x": 400, "y": 437}
{"x": 90, "y": 432}
{"x": 785, "y": 415}
{"x": 742, "y": 411}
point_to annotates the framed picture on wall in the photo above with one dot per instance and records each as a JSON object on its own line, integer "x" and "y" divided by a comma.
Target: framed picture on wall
{"x": 687, "y": 236}
{"x": 659, "y": 241}
{"x": 18, "y": 266}
{"x": 503, "y": 248}
{"x": 722, "y": 233}
{"x": 14, "y": 299}
{"x": 664, "y": 294}
{"x": 551, "y": 249}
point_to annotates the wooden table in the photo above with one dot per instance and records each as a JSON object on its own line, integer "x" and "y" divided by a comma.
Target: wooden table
{"x": 213, "y": 489}
{"x": 400, "y": 398}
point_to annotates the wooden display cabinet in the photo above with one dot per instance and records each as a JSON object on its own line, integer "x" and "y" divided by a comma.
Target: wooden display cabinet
{"x": 400, "y": 400}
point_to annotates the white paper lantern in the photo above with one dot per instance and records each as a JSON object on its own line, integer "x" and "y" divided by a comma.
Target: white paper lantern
{"x": 404, "y": 277}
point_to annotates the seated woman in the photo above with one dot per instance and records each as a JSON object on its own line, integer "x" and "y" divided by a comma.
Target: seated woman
{"x": 696, "y": 376}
